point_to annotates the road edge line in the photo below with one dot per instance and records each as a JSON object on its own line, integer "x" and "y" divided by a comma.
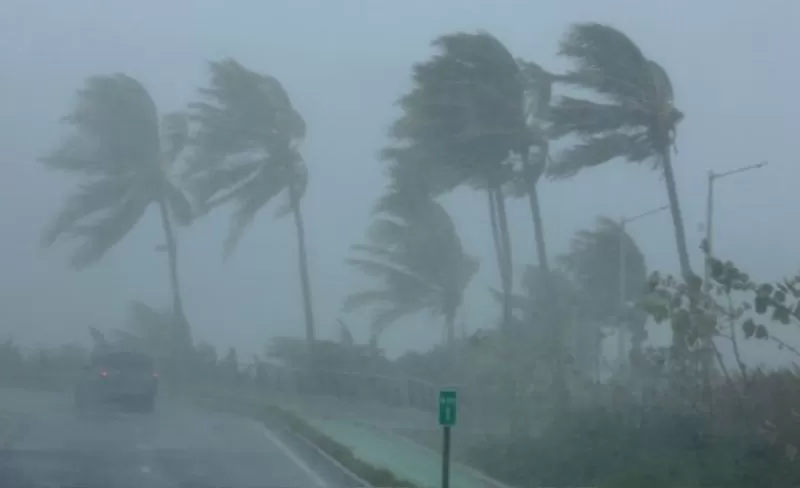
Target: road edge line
{"x": 294, "y": 457}
{"x": 361, "y": 482}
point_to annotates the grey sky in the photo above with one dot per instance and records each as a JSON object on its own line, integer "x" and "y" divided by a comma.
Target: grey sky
{"x": 344, "y": 64}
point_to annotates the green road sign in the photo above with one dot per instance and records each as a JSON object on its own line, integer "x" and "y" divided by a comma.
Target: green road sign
{"x": 447, "y": 407}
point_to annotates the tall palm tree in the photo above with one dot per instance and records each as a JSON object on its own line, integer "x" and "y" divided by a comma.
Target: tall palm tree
{"x": 538, "y": 85}
{"x": 248, "y": 153}
{"x": 632, "y": 115}
{"x": 127, "y": 160}
{"x": 461, "y": 121}
{"x": 415, "y": 253}
{"x": 593, "y": 261}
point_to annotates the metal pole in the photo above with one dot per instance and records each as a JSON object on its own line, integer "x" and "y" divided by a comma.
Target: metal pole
{"x": 710, "y": 213}
{"x": 622, "y": 293}
{"x": 446, "y": 458}
{"x": 709, "y": 231}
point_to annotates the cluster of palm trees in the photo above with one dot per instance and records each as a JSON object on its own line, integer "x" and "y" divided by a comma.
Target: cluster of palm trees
{"x": 239, "y": 145}
{"x": 475, "y": 116}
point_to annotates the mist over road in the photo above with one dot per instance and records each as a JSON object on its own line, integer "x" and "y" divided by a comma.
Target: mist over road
{"x": 177, "y": 446}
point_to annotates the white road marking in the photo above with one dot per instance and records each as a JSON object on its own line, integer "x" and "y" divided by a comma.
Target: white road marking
{"x": 295, "y": 458}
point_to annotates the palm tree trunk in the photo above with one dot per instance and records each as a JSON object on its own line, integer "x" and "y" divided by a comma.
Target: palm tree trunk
{"x": 305, "y": 281}
{"x": 677, "y": 218}
{"x": 450, "y": 328}
{"x": 706, "y": 360}
{"x": 498, "y": 248}
{"x": 536, "y": 213}
{"x": 181, "y": 332}
{"x": 554, "y": 322}
{"x": 504, "y": 256}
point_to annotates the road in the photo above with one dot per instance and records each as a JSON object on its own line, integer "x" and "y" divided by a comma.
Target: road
{"x": 176, "y": 446}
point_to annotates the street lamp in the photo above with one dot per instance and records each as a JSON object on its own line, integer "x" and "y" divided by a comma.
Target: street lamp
{"x": 712, "y": 177}
{"x": 622, "y": 272}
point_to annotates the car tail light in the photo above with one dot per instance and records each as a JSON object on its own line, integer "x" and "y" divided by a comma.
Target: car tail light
{"x": 103, "y": 373}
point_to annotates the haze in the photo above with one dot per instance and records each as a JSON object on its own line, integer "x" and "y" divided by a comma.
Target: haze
{"x": 344, "y": 65}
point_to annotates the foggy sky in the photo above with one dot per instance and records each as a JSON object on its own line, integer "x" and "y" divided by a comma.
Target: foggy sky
{"x": 344, "y": 63}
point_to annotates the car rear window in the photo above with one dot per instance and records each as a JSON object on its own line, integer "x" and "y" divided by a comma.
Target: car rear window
{"x": 127, "y": 361}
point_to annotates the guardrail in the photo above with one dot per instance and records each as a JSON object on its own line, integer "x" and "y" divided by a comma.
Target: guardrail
{"x": 476, "y": 406}
{"x": 362, "y": 388}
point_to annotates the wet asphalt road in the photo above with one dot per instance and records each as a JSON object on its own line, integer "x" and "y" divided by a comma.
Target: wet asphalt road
{"x": 176, "y": 446}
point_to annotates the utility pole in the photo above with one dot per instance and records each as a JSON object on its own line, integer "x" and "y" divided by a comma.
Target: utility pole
{"x": 712, "y": 177}
{"x": 623, "y": 274}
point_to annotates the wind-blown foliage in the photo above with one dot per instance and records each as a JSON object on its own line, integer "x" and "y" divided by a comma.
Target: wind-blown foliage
{"x": 116, "y": 148}
{"x": 126, "y": 160}
{"x": 631, "y": 115}
{"x": 593, "y": 261}
{"x": 416, "y": 255}
{"x": 461, "y": 121}
{"x": 247, "y": 152}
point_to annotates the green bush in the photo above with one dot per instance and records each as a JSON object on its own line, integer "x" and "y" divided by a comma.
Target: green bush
{"x": 651, "y": 448}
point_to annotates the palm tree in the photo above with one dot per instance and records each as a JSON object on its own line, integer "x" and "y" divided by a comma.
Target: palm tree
{"x": 633, "y": 116}
{"x": 461, "y": 121}
{"x": 126, "y": 159}
{"x": 593, "y": 261}
{"x": 415, "y": 253}
{"x": 538, "y": 85}
{"x": 247, "y": 153}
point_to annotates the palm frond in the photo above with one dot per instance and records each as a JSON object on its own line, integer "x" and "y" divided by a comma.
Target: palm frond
{"x": 245, "y": 147}
{"x": 587, "y": 118}
{"x": 119, "y": 121}
{"x": 636, "y": 118}
{"x": 383, "y": 318}
{"x": 415, "y": 255}
{"x": 594, "y": 262}
{"x": 92, "y": 198}
{"x": 174, "y": 134}
{"x": 597, "y": 150}
{"x": 218, "y": 184}
{"x": 116, "y": 144}
{"x": 367, "y": 298}
{"x": 465, "y": 110}
{"x": 250, "y": 198}
{"x": 607, "y": 61}
{"x": 108, "y": 230}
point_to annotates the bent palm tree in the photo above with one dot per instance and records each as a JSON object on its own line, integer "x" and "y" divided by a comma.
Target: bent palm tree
{"x": 593, "y": 261}
{"x": 416, "y": 254}
{"x": 634, "y": 117}
{"x": 127, "y": 166}
{"x": 461, "y": 121}
{"x": 247, "y": 153}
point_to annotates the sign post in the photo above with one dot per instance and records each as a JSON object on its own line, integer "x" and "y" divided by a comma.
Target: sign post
{"x": 447, "y": 419}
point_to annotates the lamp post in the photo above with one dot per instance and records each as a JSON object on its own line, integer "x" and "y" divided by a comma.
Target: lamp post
{"x": 622, "y": 274}
{"x": 712, "y": 177}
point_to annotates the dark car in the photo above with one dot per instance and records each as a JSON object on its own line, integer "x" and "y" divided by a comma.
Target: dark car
{"x": 128, "y": 379}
